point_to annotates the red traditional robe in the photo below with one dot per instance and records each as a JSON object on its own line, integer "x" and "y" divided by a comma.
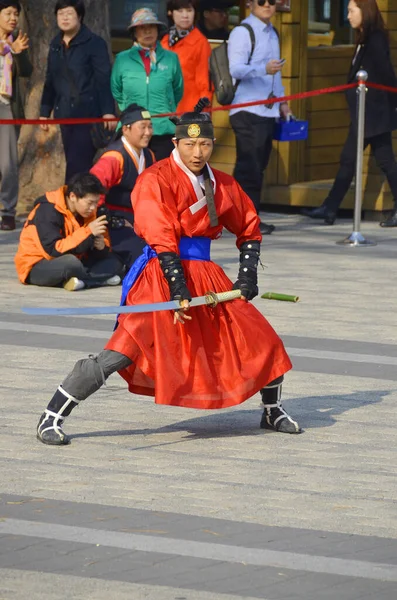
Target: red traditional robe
{"x": 223, "y": 355}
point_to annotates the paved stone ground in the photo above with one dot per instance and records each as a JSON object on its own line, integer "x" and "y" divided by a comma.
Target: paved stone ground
{"x": 162, "y": 503}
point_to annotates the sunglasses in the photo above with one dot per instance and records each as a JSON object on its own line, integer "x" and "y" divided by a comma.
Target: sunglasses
{"x": 263, "y": 2}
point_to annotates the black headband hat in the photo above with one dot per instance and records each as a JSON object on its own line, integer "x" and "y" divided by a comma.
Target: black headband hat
{"x": 192, "y": 125}
{"x": 134, "y": 113}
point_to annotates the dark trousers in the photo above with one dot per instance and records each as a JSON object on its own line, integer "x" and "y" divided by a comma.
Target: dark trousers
{"x": 79, "y": 149}
{"x": 161, "y": 146}
{"x": 382, "y": 148}
{"x": 124, "y": 241}
{"x": 126, "y": 244}
{"x": 254, "y": 137}
{"x": 8, "y": 163}
{"x": 55, "y": 272}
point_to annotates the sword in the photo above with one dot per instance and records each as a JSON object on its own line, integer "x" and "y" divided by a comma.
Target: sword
{"x": 210, "y": 299}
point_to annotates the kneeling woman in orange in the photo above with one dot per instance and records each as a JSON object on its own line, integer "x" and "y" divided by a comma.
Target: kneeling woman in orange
{"x": 193, "y": 51}
{"x": 208, "y": 358}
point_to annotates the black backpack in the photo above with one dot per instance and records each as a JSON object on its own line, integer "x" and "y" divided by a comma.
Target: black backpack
{"x": 225, "y": 89}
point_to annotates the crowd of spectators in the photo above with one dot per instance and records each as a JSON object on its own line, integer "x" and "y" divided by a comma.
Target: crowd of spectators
{"x": 164, "y": 70}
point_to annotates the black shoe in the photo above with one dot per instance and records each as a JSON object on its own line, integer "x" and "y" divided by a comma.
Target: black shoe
{"x": 49, "y": 430}
{"x": 266, "y": 229}
{"x": 391, "y": 220}
{"x": 322, "y": 212}
{"x": 277, "y": 419}
{"x": 7, "y": 223}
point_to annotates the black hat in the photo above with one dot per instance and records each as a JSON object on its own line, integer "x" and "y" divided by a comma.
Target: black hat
{"x": 134, "y": 113}
{"x": 215, "y": 5}
{"x": 194, "y": 124}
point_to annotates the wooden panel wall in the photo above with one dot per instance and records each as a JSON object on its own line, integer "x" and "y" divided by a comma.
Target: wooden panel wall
{"x": 328, "y": 115}
{"x": 287, "y": 161}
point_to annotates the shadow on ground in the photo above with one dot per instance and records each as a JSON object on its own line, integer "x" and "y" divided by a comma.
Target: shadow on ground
{"x": 312, "y": 412}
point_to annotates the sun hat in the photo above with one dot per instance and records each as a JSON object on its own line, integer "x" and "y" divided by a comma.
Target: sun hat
{"x": 145, "y": 16}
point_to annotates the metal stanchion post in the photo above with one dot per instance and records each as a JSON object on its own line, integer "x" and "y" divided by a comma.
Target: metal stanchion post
{"x": 356, "y": 238}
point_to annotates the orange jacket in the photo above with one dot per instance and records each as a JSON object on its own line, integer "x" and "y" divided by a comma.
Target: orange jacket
{"x": 194, "y": 53}
{"x": 50, "y": 231}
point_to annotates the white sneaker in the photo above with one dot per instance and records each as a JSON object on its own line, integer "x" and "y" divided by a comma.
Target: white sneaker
{"x": 115, "y": 280}
{"x": 73, "y": 284}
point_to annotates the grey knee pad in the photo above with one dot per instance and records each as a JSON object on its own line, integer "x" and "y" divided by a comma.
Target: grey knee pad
{"x": 89, "y": 374}
{"x": 111, "y": 361}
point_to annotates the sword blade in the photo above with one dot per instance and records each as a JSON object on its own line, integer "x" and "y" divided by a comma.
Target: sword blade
{"x": 114, "y": 310}
{"x": 210, "y": 299}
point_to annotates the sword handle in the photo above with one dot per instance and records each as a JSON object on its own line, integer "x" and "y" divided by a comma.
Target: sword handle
{"x": 213, "y": 298}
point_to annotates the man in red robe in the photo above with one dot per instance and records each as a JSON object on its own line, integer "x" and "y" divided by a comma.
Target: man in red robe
{"x": 207, "y": 358}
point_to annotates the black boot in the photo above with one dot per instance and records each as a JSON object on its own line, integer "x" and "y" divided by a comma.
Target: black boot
{"x": 322, "y": 212}
{"x": 391, "y": 220}
{"x": 274, "y": 416}
{"x": 49, "y": 428}
{"x": 266, "y": 229}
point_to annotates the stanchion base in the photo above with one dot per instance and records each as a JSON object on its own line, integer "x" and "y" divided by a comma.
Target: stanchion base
{"x": 356, "y": 239}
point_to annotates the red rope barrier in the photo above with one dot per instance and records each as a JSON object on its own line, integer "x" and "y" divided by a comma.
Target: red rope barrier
{"x": 300, "y": 96}
{"x": 378, "y": 86}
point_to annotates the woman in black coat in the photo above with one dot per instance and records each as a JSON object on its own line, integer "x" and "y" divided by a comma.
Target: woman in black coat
{"x": 372, "y": 54}
{"x": 77, "y": 84}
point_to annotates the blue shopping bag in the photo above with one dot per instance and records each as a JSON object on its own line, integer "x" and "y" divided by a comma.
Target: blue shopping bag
{"x": 291, "y": 131}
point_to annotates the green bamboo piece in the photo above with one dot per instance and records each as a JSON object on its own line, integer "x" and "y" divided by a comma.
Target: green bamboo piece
{"x": 283, "y": 297}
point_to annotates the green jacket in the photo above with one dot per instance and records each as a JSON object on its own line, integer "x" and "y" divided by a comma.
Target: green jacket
{"x": 159, "y": 92}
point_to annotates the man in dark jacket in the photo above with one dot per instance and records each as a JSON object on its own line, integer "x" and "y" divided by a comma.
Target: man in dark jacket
{"x": 214, "y": 19}
{"x": 77, "y": 84}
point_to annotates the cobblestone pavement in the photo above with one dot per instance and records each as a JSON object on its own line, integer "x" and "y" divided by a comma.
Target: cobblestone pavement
{"x": 160, "y": 503}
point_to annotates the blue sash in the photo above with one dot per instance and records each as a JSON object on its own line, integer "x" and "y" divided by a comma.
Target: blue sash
{"x": 196, "y": 248}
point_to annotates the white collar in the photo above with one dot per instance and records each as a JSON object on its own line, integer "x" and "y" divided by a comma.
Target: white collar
{"x": 140, "y": 159}
{"x": 193, "y": 178}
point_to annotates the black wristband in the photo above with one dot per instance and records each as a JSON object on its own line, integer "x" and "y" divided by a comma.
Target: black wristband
{"x": 171, "y": 266}
{"x": 247, "y": 280}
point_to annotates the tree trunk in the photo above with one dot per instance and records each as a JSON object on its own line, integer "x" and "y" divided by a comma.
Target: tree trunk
{"x": 42, "y": 164}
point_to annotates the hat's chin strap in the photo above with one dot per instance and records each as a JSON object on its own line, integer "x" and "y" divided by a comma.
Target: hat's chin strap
{"x": 209, "y": 195}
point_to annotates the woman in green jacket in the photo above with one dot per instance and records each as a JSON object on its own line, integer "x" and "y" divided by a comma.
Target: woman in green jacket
{"x": 149, "y": 76}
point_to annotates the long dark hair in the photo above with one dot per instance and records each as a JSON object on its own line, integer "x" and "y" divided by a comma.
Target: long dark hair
{"x": 372, "y": 20}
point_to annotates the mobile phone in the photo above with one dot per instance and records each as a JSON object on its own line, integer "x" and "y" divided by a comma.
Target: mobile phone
{"x": 282, "y": 61}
